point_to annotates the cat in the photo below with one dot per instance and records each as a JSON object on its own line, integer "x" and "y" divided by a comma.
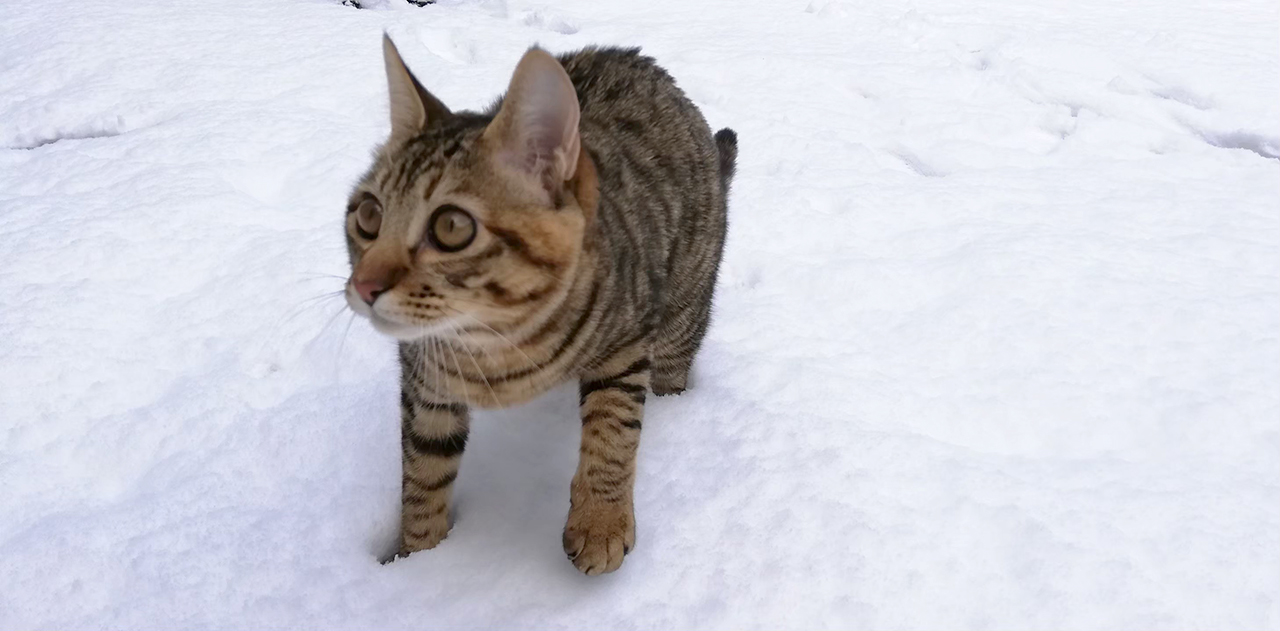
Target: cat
{"x": 572, "y": 231}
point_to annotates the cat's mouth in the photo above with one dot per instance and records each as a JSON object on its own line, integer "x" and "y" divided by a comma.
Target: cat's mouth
{"x": 402, "y": 332}
{"x": 411, "y": 332}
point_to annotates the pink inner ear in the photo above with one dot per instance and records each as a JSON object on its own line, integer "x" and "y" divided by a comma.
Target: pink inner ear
{"x": 534, "y": 165}
{"x": 545, "y": 143}
{"x": 541, "y": 119}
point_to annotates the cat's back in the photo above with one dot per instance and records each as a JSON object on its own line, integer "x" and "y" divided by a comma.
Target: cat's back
{"x": 626, "y": 97}
{"x": 609, "y": 77}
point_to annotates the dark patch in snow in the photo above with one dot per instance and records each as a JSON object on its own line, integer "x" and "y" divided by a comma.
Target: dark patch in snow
{"x": 1185, "y": 97}
{"x": 1265, "y": 146}
{"x": 1261, "y": 144}
{"x": 83, "y": 133}
{"x": 914, "y": 163}
{"x": 357, "y": 3}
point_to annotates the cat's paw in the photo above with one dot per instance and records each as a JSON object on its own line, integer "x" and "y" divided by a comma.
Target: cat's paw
{"x": 597, "y": 536}
{"x": 663, "y": 385}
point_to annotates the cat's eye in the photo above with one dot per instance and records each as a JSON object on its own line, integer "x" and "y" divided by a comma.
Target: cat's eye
{"x": 450, "y": 228}
{"x": 368, "y": 218}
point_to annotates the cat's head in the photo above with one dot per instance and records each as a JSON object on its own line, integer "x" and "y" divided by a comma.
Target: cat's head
{"x": 467, "y": 219}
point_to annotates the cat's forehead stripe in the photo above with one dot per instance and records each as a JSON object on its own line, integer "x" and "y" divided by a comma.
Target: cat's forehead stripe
{"x": 408, "y": 166}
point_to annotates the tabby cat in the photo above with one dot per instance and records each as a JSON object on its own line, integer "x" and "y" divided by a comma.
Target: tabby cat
{"x": 571, "y": 231}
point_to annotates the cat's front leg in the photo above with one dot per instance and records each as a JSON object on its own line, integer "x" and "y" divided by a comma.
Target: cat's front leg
{"x": 432, "y": 437}
{"x": 601, "y": 528}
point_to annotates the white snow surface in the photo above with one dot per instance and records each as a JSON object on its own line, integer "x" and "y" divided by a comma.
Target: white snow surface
{"x": 996, "y": 346}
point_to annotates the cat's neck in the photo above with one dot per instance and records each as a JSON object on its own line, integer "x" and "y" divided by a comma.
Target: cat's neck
{"x": 489, "y": 367}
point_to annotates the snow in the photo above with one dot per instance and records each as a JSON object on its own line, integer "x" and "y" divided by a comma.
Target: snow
{"x": 997, "y": 341}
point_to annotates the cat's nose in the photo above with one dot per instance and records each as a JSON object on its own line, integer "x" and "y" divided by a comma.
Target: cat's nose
{"x": 369, "y": 290}
{"x": 376, "y": 273}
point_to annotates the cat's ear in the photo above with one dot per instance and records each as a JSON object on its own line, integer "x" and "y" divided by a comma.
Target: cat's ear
{"x": 413, "y": 109}
{"x": 536, "y": 130}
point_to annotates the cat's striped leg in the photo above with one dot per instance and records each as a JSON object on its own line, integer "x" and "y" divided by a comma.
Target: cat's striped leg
{"x": 432, "y": 437}
{"x": 601, "y": 528}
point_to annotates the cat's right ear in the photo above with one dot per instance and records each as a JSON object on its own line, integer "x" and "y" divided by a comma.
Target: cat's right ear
{"x": 413, "y": 109}
{"x": 536, "y": 128}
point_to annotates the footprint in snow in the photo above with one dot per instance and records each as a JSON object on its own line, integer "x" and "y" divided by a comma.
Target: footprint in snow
{"x": 1176, "y": 94}
{"x": 549, "y": 21}
{"x": 913, "y": 162}
{"x": 448, "y": 45}
{"x": 1261, "y": 144}
{"x": 1183, "y": 96}
{"x": 101, "y": 127}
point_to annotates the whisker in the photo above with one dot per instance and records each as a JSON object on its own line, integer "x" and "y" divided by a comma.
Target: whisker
{"x": 342, "y": 343}
{"x": 307, "y": 303}
{"x": 428, "y": 347}
{"x": 342, "y": 280}
{"x": 534, "y": 364}
{"x": 435, "y": 356}
{"x": 272, "y": 338}
{"x": 487, "y": 355}
{"x": 466, "y": 392}
{"x": 417, "y": 371}
{"x": 328, "y": 323}
{"x": 493, "y": 394}
{"x": 315, "y": 275}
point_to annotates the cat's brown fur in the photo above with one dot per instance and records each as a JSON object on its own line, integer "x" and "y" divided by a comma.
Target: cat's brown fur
{"x": 598, "y": 199}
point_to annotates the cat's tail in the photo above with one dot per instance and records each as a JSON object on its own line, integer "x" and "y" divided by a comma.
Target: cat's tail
{"x": 727, "y": 145}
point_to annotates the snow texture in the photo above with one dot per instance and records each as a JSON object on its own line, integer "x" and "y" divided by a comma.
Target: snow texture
{"x": 997, "y": 339}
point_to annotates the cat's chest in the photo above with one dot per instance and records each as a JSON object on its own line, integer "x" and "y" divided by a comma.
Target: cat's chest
{"x": 487, "y": 377}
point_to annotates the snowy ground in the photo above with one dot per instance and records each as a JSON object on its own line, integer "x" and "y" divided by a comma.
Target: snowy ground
{"x": 998, "y": 337}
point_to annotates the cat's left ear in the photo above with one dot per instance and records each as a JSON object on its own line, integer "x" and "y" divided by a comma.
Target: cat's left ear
{"x": 536, "y": 130}
{"x": 413, "y": 109}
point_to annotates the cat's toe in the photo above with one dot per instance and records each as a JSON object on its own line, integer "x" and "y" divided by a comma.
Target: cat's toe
{"x": 597, "y": 543}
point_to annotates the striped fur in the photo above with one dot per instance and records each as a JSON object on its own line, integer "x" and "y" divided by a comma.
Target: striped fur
{"x": 595, "y": 260}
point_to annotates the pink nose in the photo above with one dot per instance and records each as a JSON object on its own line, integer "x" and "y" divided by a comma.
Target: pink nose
{"x": 368, "y": 290}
